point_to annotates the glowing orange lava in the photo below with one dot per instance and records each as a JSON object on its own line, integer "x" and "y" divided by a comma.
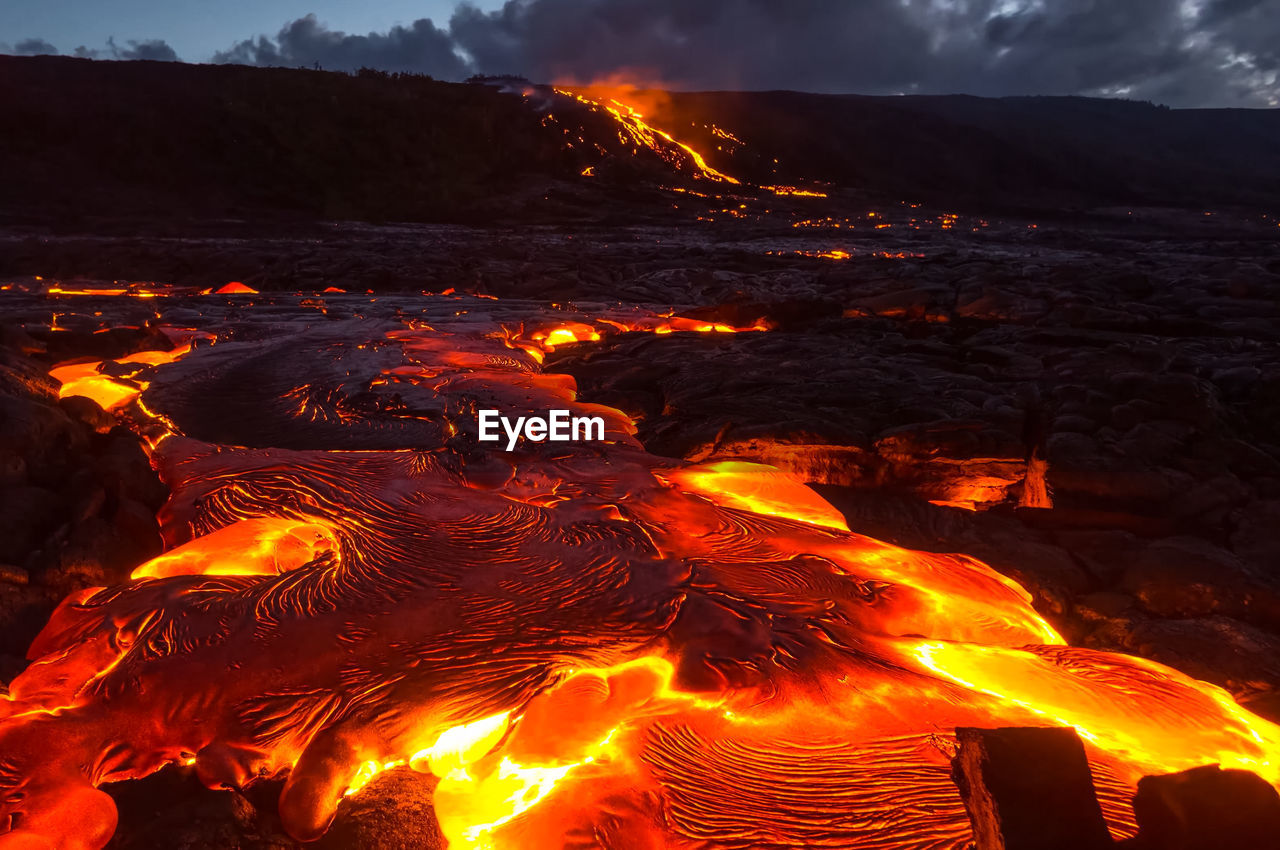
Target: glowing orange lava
{"x": 842, "y": 254}
{"x": 588, "y": 644}
{"x": 795, "y": 191}
{"x": 132, "y": 290}
{"x": 250, "y": 547}
{"x": 110, "y": 391}
{"x": 638, "y": 133}
{"x": 542, "y": 338}
{"x": 235, "y": 287}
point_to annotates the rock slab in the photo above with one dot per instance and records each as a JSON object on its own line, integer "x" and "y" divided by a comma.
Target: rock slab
{"x": 1206, "y": 808}
{"x": 1028, "y": 789}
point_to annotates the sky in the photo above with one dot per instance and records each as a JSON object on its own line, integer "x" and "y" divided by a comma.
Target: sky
{"x": 196, "y": 29}
{"x": 1182, "y": 53}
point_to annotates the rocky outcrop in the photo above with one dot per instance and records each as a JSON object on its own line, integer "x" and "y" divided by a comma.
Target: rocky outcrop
{"x": 78, "y": 497}
{"x": 1206, "y": 808}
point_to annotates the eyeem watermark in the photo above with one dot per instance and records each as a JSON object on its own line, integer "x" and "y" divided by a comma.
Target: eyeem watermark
{"x": 558, "y": 426}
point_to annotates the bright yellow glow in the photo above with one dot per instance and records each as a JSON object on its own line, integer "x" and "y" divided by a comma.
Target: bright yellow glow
{"x": 250, "y": 547}
{"x": 1133, "y": 708}
{"x": 758, "y": 488}
{"x": 460, "y": 746}
{"x": 85, "y": 379}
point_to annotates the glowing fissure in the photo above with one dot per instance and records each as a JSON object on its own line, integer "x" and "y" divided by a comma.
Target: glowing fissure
{"x": 576, "y": 639}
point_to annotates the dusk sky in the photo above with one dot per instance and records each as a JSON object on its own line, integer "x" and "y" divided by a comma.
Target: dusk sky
{"x": 196, "y": 29}
{"x": 1177, "y": 52}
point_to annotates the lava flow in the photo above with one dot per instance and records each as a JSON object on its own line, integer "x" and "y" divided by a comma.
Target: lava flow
{"x": 590, "y": 645}
{"x": 637, "y": 133}
{"x": 640, "y": 135}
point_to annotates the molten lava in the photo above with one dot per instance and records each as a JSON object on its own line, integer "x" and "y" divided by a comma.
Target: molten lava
{"x": 588, "y": 644}
{"x": 250, "y": 547}
{"x": 637, "y": 133}
{"x": 640, "y": 135}
{"x": 235, "y": 287}
{"x": 115, "y": 388}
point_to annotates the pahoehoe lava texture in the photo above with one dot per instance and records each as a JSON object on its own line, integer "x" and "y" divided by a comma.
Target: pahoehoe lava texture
{"x": 685, "y": 655}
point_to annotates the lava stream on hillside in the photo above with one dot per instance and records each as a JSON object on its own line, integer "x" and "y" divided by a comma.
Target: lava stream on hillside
{"x": 590, "y": 645}
{"x": 635, "y": 132}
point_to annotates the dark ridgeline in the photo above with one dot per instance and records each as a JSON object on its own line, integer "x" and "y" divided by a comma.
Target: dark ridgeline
{"x": 1040, "y": 153}
{"x": 175, "y": 140}
{"x": 196, "y": 140}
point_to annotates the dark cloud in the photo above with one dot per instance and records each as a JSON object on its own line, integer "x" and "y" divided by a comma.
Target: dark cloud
{"x": 31, "y": 47}
{"x": 754, "y": 44}
{"x": 1157, "y": 49}
{"x": 419, "y": 47}
{"x": 155, "y": 49}
{"x": 1179, "y": 52}
{"x": 1079, "y": 47}
{"x": 1248, "y": 29}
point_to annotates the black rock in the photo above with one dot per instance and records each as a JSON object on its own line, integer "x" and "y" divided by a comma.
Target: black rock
{"x": 171, "y": 809}
{"x": 1206, "y": 808}
{"x": 1028, "y": 789}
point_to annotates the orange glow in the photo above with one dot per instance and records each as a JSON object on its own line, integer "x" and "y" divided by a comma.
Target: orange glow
{"x": 1035, "y": 487}
{"x": 566, "y": 333}
{"x": 58, "y": 290}
{"x": 462, "y": 745}
{"x": 795, "y": 191}
{"x": 1134, "y": 709}
{"x": 635, "y": 130}
{"x": 83, "y": 379}
{"x": 235, "y": 287}
{"x": 586, "y": 644}
{"x": 841, "y": 254}
{"x": 542, "y": 750}
{"x": 973, "y": 492}
{"x": 963, "y": 504}
{"x": 86, "y": 379}
{"x": 133, "y": 291}
{"x": 454, "y": 749}
{"x": 675, "y": 324}
{"x": 250, "y": 547}
{"x": 757, "y": 488}
{"x": 539, "y": 341}
{"x": 620, "y": 101}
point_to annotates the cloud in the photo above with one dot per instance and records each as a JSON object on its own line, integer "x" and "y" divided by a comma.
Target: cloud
{"x": 1224, "y": 54}
{"x": 420, "y": 47}
{"x": 30, "y": 47}
{"x": 154, "y": 49}
{"x": 1178, "y": 52}
{"x": 819, "y": 45}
